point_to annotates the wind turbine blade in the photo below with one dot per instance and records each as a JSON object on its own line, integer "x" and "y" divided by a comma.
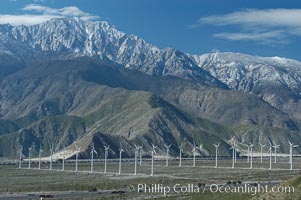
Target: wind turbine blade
{"x": 290, "y": 142}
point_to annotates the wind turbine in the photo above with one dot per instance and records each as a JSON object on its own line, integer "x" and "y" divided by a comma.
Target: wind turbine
{"x": 270, "y": 151}
{"x": 248, "y": 154}
{"x": 181, "y": 150}
{"x": 29, "y": 157}
{"x": 235, "y": 152}
{"x": 51, "y": 152}
{"x": 63, "y": 167}
{"x": 233, "y": 155}
{"x": 92, "y": 156}
{"x": 21, "y": 156}
{"x": 216, "y": 149}
{"x": 234, "y": 145}
{"x": 153, "y": 152}
{"x": 40, "y": 154}
{"x": 275, "y": 147}
{"x": 261, "y": 148}
{"x": 120, "y": 156}
{"x": 251, "y": 155}
{"x": 140, "y": 154}
{"x": 167, "y": 153}
{"x": 194, "y": 152}
{"x": 291, "y": 153}
{"x": 106, "y": 157}
{"x": 136, "y": 155}
{"x": 76, "y": 157}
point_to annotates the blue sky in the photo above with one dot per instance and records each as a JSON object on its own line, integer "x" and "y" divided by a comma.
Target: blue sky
{"x": 257, "y": 27}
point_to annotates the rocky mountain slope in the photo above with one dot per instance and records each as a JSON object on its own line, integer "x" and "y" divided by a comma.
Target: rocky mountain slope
{"x": 50, "y": 103}
{"x": 86, "y": 101}
{"x": 275, "y": 80}
{"x": 84, "y": 82}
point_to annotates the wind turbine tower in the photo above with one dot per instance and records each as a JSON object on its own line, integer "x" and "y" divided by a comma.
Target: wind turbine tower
{"x": 167, "y": 153}
{"x": 106, "y": 157}
{"x": 270, "y": 151}
{"x": 120, "y": 157}
{"x": 40, "y": 155}
{"x": 51, "y": 152}
{"x": 29, "y": 157}
{"x": 136, "y": 155}
{"x": 20, "y": 157}
{"x": 140, "y": 154}
{"x": 251, "y": 155}
{"x": 261, "y": 149}
{"x": 275, "y": 147}
{"x": 181, "y": 150}
{"x": 153, "y": 152}
{"x": 92, "y": 156}
{"x": 233, "y": 155}
{"x": 216, "y": 150}
{"x": 64, "y": 151}
{"x": 291, "y": 153}
{"x": 248, "y": 154}
{"x": 76, "y": 157}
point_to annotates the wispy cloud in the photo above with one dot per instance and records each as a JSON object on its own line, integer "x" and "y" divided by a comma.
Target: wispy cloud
{"x": 268, "y": 26}
{"x": 36, "y": 14}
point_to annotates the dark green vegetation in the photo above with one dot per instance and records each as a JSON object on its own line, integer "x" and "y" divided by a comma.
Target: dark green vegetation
{"x": 62, "y": 102}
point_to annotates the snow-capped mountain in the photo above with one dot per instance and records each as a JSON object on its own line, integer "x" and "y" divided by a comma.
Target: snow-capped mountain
{"x": 101, "y": 40}
{"x": 275, "y": 80}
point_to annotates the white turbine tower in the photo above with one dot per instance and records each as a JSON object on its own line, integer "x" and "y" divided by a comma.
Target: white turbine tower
{"x": 234, "y": 145}
{"x": 270, "y": 151}
{"x": 216, "y": 150}
{"x": 40, "y": 154}
{"x": 291, "y": 153}
{"x": 153, "y": 152}
{"x": 120, "y": 157}
{"x": 106, "y": 157}
{"x": 167, "y": 153}
{"x": 51, "y": 152}
{"x": 275, "y": 147}
{"x": 248, "y": 154}
{"x": 140, "y": 154}
{"x": 261, "y": 149}
{"x": 233, "y": 155}
{"x": 29, "y": 157}
{"x": 92, "y": 156}
{"x": 76, "y": 157}
{"x": 181, "y": 150}
{"x": 194, "y": 152}
{"x": 136, "y": 155}
{"x": 63, "y": 166}
{"x": 20, "y": 157}
{"x": 251, "y": 155}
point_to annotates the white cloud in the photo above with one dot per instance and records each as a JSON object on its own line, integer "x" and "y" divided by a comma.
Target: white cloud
{"x": 16, "y": 20}
{"x": 271, "y": 37}
{"x": 270, "y": 25}
{"x": 39, "y": 14}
